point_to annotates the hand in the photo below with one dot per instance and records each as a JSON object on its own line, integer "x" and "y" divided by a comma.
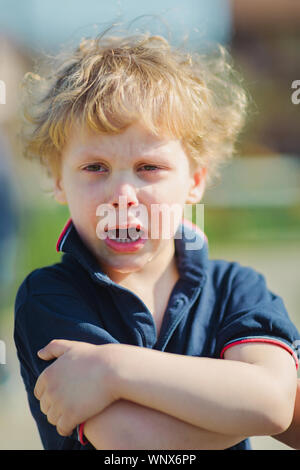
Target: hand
{"x": 78, "y": 385}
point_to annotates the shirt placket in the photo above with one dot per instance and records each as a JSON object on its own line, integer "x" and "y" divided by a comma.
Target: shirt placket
{"x": 179, "y": 307}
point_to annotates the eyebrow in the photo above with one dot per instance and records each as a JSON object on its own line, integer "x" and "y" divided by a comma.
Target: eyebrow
{"x": 86, "y": 154}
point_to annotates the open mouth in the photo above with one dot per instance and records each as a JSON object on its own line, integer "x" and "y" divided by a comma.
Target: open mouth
{"x": 125, "y": 235}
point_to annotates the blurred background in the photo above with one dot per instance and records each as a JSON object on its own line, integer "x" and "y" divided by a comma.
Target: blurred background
{"x": 252, "y": 214}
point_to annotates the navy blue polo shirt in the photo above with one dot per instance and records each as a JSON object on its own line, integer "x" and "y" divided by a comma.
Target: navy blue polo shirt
{"x": 214, "y": 305}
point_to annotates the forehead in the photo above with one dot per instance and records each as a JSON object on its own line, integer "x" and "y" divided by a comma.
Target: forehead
{"x": 135, "y": 141}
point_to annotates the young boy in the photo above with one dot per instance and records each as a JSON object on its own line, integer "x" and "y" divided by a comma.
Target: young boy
{"x": 137, "y": 320}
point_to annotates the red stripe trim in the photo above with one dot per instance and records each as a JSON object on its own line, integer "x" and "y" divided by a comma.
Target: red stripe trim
{"x": 261, "y": 340}
{"x": 63, "y": 234}
{"x": 81, "y": 434}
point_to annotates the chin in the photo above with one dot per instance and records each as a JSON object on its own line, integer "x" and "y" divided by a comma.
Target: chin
{"x": 126, "y": 263}
{"x": 126, "y": 268}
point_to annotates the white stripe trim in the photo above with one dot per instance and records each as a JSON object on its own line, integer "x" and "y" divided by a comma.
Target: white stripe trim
{"x": 64, "y": 238}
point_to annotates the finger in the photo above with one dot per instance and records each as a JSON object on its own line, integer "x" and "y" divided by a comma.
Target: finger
{"x": 54, "y": 349}
{"x": 39, "y": 387}
{"x": 53, "y": 415}
{"x": 45, "y": 405}
{"x": 64, "y": 428}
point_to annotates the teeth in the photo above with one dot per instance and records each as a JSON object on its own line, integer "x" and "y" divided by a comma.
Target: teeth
{"x": 122, "y": 240}
{"x": 123, "y": 235}
{"x": 125, "y": 240}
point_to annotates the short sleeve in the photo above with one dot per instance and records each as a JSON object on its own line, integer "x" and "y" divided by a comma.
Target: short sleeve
{"x": 254, "y": 314}
{"x": 56, "y": 312}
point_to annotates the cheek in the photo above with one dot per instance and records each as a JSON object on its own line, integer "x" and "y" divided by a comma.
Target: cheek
{"x": 83, "y": 203}
{"x": 164, "y": 220}
{"x": 168, "y": 192}
{"x": 86, "y": 193}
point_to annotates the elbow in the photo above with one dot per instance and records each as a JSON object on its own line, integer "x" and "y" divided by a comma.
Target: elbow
{"x": 279, "y": 416}
{"x": 278, "y": 404}
{"x": 278, "y": 426}
{"x": 281, "y": 422}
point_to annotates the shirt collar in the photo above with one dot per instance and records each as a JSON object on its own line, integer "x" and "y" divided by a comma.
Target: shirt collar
{"x": 191, "y": 251}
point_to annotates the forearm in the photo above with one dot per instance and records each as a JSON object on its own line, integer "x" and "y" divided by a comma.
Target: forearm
{"x": 222, "y": 396}
{"x": 127, "y": 426}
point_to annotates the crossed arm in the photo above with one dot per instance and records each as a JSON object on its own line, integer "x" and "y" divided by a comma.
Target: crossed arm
{"x": 291, "y": 436}
{"x": 145, "y": 398}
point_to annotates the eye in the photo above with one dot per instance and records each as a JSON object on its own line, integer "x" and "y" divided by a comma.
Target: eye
{"x": 149, "y": 168}
{"x": 95, "y": 168}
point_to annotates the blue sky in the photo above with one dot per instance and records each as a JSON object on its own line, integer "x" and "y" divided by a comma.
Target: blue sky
{"x": 46, "y": 24}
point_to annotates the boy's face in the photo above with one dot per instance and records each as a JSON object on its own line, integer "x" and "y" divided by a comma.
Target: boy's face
{"x": 133, "y": 174}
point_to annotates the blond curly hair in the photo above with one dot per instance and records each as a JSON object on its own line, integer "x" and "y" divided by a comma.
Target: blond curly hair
{"x": 110, "y": 82}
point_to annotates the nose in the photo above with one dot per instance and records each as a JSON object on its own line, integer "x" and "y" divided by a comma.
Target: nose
{"x": 124, "y": 196}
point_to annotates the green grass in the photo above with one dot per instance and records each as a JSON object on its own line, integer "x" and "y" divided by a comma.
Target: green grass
{"x": 38, "y": 234}
{"x": 247, "y": 224}
{"x": 41, "y": 229}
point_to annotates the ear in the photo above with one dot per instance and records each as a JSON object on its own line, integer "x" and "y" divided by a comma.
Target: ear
{"x": 198, "y": 186}
{"x": 59, "y": 192}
